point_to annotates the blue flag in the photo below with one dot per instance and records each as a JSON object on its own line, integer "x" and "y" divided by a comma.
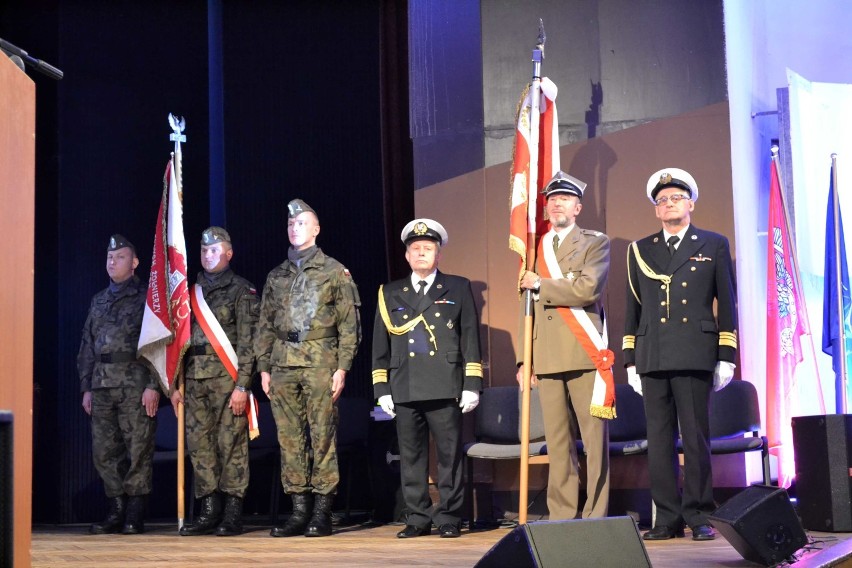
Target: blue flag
{"x": 831, "y": 335}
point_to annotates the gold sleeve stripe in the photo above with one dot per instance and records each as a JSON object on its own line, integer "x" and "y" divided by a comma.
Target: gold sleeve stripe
{"x": 629, "y": 342}
{"x": 473, "y": 370}
{"x": 728, "y": 339}
{"x": 380, "y": 376}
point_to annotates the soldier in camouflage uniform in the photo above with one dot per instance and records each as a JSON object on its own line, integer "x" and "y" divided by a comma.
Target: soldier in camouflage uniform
{"x": 216, "y": 419}
{"x": 308, "y": 334}
{"x": 120, "y": 393}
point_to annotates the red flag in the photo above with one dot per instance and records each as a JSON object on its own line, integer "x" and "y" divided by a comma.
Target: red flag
{"x": 165, "y": 325}
{"x": 786, "y": 323}
{"x": 524, "y": 219}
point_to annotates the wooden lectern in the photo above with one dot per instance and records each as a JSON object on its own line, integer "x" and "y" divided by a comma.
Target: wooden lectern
{"x": 17, "y": 218}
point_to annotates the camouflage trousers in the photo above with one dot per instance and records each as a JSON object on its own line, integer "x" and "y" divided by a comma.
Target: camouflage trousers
{"x": 217, "y": 440}
{"x": 301, "y": 400}
{"x": 122, "y": 441}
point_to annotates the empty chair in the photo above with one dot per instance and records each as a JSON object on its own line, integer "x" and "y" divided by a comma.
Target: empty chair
{"x": 498, "y": 432}
{"x": 265, "y": 456}
{"x": 353, "y": 433}
{"x": 627, "y": 432}
{"x": 734, "y": 414}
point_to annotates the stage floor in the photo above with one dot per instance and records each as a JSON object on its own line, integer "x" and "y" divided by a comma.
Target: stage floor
{"x": 359, "y": 545}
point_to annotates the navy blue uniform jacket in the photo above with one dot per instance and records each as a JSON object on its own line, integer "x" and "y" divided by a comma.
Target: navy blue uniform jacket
{"x": 678, "y": 331}
{"x": 412, "y": 367}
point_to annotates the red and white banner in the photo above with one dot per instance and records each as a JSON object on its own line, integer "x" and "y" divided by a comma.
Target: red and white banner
{"x": 785, "y": 325}
{"x": 525, "y": 220}
{"x": 165, "y": 325}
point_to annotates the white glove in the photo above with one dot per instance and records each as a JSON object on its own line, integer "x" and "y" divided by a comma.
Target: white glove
{"x": 633, "y": 380}
{"x": 469, "y": 401}
{"x": 723, "y": 374}
{"x": 386, "y": 402}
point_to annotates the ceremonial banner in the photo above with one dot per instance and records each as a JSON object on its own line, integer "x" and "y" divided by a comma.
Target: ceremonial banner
{"x": 785, "y": 324}
{"x": 165, "y": 325}
{"x": 525, "y": 219}
{"x": 836, "y": 332}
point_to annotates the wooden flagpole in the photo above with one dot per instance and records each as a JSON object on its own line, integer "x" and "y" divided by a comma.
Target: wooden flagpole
{"x": 532, "y": 203}
{"x": 178, "y": 125}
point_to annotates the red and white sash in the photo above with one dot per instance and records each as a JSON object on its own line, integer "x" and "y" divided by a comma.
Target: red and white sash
{"x": 222, "y": 346}
{"x": 592, "y": 342}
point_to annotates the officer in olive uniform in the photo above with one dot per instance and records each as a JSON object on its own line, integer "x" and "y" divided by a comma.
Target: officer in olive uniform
{"x": 575, "y": 265}
{"x": 216, "y": 424}
{"x": 676, "y": 350}
{"x": 308, "y": 334}
{"x": 119, "y": 392}
{"x": 427, "y": 372}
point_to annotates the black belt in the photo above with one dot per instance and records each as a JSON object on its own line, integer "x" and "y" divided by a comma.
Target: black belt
{"x": 297, "y": 336}
{"x": 201, "y": 350}
{"x": 118, "y": 357}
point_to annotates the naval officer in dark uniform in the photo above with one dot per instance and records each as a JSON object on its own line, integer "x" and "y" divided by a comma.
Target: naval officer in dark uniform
{"x": 676, "y": 350}
{"x": 427, "y": 372}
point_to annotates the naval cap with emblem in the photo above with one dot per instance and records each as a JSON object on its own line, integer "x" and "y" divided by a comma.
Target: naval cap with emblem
{"x": 671, "y": 177}
{"x": 119, "y": 242}
{"x": 424, "y": 229}
{"x": 297, "y": 207}
{"x": 213, "y": 235}
{"x": 564, "y": 183}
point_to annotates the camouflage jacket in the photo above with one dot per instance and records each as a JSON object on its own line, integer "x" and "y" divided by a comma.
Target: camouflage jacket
{"x": 107, "y": 356}
{"x": 309, "y": 316}
{"x": 234, "y": 302}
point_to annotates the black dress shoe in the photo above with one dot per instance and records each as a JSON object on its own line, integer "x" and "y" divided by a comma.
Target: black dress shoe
{"x": 663, "y": 532}
{"x": 410, "y": 531}
{"x": 449, "y": 530}
{"x": 703, "y": 532}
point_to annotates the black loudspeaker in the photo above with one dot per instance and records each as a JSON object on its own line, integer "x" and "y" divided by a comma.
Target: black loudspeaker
{"x": 760, "y": 524}
{"x": 7, "y": 510}
{"x": 823, "y": 462}
{"x": 593, "y": 543}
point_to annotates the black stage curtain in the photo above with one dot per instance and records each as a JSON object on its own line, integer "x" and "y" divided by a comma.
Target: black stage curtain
{"x": 397, "y": 149}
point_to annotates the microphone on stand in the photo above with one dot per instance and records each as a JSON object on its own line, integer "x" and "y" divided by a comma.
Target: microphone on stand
{"x": 22, "y": 56}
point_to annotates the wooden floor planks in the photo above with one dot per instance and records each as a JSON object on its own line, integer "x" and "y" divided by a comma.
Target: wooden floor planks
{"x": 351, "y": 547}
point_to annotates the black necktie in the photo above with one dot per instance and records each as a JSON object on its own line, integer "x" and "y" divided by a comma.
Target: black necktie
{"x": 422, "y": 290}
{"x": 555, "y": 244}
{"x": 672, "y": 241}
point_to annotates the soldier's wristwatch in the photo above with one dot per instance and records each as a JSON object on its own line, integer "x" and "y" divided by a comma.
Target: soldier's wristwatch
{"x": 241, "y": 389}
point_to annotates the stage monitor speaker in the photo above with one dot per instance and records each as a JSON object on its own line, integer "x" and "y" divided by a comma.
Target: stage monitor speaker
{"x": 823, "y": 462}
{"x": 593, "y": 543}
{"x": 760, "y": 523}
{"x": 7, "y": 509}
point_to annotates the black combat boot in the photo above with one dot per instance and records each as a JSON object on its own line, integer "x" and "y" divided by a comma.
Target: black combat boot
{"x": 232, "y": 520}
{"x": 208, "y": 519}
{"x": 295, "y": 525}
{"x": 114, "y": 520}
{"x": 134, "y": 521}
{"x": 320, "y": 524}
